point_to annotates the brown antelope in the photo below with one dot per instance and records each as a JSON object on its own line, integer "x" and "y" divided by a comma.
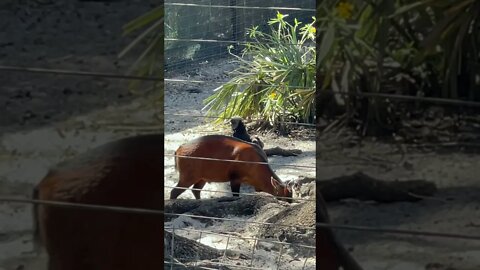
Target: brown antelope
{"x": 127, "y": 173}
{"x": 198, "y": 172}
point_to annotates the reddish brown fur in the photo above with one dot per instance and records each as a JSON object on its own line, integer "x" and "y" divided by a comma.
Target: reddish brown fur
{"x": 198, "y": 172}
{"x": 331, "y": 255}
{"x": 126, "y": 173}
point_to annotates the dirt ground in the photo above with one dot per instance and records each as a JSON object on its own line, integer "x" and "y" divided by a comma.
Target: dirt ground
{"x": 49, "y": 118}
{"x": 454, "y": 209}
{"x": 182, "y": 99}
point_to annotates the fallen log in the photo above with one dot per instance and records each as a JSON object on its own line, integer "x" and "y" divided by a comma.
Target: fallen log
{"x": 282, "y": 152}
{"x": 363, "y": 187}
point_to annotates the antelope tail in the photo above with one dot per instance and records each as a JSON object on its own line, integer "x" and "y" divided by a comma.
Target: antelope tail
{"x": 175, "y": 160}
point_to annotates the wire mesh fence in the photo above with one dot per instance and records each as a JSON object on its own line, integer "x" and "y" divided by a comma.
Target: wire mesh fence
{"x": 223, "y": 21}
{"x": 27, "y": 69}
{"x": 230, "y": 245}
{"x": 218, "y": 25}
{"x": 372, "y": 229}
{"x": 231, "y": 238}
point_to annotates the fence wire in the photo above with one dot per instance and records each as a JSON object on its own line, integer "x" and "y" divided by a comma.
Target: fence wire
{"x": 229, "y": 238}
{"x": 240, "y": 7}
{"x": 373, "y": 229}
{"x": 133, "y": 210}
{"x": 188, "y": 81}
{"x": 238, "y": 193}
{"x": 397, "y": 231}
{"x": 228, "y": 118}
{"x": 77, "y": 73}
{"x": 242, "y": 237}
{"x": 228, "y": 41}
{"x": 241, "y": 161}
{"x": 214, "y": 263}
{"x": 244, "y": 162}
{"x": 230, "y": 27}
{"x": 131, "y": 77}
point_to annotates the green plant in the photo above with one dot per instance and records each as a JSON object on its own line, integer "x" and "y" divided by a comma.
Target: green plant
{"x": 150, "y": 60}
{"x": 422, "y": 47}
{"x": 276, "y": 78}
{"x": 453, "y": 38}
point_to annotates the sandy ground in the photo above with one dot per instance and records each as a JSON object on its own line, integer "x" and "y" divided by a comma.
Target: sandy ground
{"x": 180, "y": 129}
{"x": 48, "y": 118}
{"x": 455, "y": 208}
{"x": 182, "y": 99}
{"x": 26, "y": 157}
{"x": 51, "y": 118}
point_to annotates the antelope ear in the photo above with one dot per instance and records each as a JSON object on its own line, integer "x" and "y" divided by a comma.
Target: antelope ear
{"x": 274, "y": 182}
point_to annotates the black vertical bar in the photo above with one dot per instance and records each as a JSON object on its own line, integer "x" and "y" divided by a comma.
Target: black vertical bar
{"x": 319, "y": 205}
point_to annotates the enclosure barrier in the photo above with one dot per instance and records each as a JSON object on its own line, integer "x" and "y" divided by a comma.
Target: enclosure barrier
{"x": 241, "y": 161}
{"x": 131, "y": 77}
{"x": 318, "y": 225}
{"x": 171, "y": 246}
{"x": 226, "y": 41}
{"x": 256, "y": 242}
{"x": 371, "y": 229}
{"x": 240, "y": 7}
{"x": 243, "y": 194}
